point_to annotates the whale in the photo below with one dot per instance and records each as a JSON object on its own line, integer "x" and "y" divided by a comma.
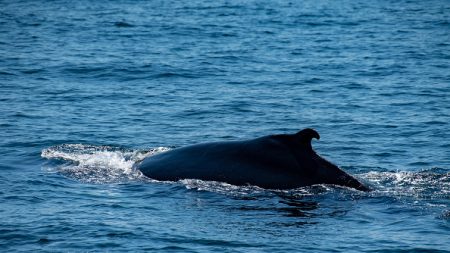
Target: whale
{"x": 279, "y": 161}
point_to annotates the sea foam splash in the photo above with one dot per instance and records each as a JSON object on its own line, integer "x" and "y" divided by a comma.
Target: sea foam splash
{"x": 430, "y": 184}
{"x": 98, "y": 164}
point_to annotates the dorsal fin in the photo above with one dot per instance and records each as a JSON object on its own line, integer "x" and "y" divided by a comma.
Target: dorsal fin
{"x": 306, "y": 135}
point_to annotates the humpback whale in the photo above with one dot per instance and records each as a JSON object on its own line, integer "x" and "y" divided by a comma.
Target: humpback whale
{"x": 281, "y": 161}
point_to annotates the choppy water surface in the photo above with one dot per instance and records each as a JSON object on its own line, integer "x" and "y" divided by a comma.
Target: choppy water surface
{"x": 89, "y": 88}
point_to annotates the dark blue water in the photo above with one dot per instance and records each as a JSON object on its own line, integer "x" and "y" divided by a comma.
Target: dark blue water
{"x": 89, "y": 87}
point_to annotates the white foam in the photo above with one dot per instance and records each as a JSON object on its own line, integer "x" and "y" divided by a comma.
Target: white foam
{"x": 427, "y": 184}
{"x": 220, "y": 187}
{"x": 98, "y": 164}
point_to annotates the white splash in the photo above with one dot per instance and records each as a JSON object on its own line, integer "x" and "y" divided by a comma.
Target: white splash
{"x": 98, "y": 164}
{"x": 423, "y": 184}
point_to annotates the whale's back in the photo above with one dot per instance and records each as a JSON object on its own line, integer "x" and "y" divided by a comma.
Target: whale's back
{"x": 260, "y": 162}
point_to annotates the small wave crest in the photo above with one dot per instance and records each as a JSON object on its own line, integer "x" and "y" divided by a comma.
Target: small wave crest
{"x": 97, "y": 164}
{"x": 430, "y": 184}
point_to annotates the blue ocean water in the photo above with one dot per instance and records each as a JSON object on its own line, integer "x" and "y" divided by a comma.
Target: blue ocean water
{"x": 89, "y": 87}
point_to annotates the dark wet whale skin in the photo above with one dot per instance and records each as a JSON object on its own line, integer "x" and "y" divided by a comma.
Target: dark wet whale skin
{"x": 282, "y": 161}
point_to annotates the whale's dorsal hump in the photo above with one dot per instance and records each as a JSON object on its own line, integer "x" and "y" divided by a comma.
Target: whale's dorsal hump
{"x": 306, "y": 135}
